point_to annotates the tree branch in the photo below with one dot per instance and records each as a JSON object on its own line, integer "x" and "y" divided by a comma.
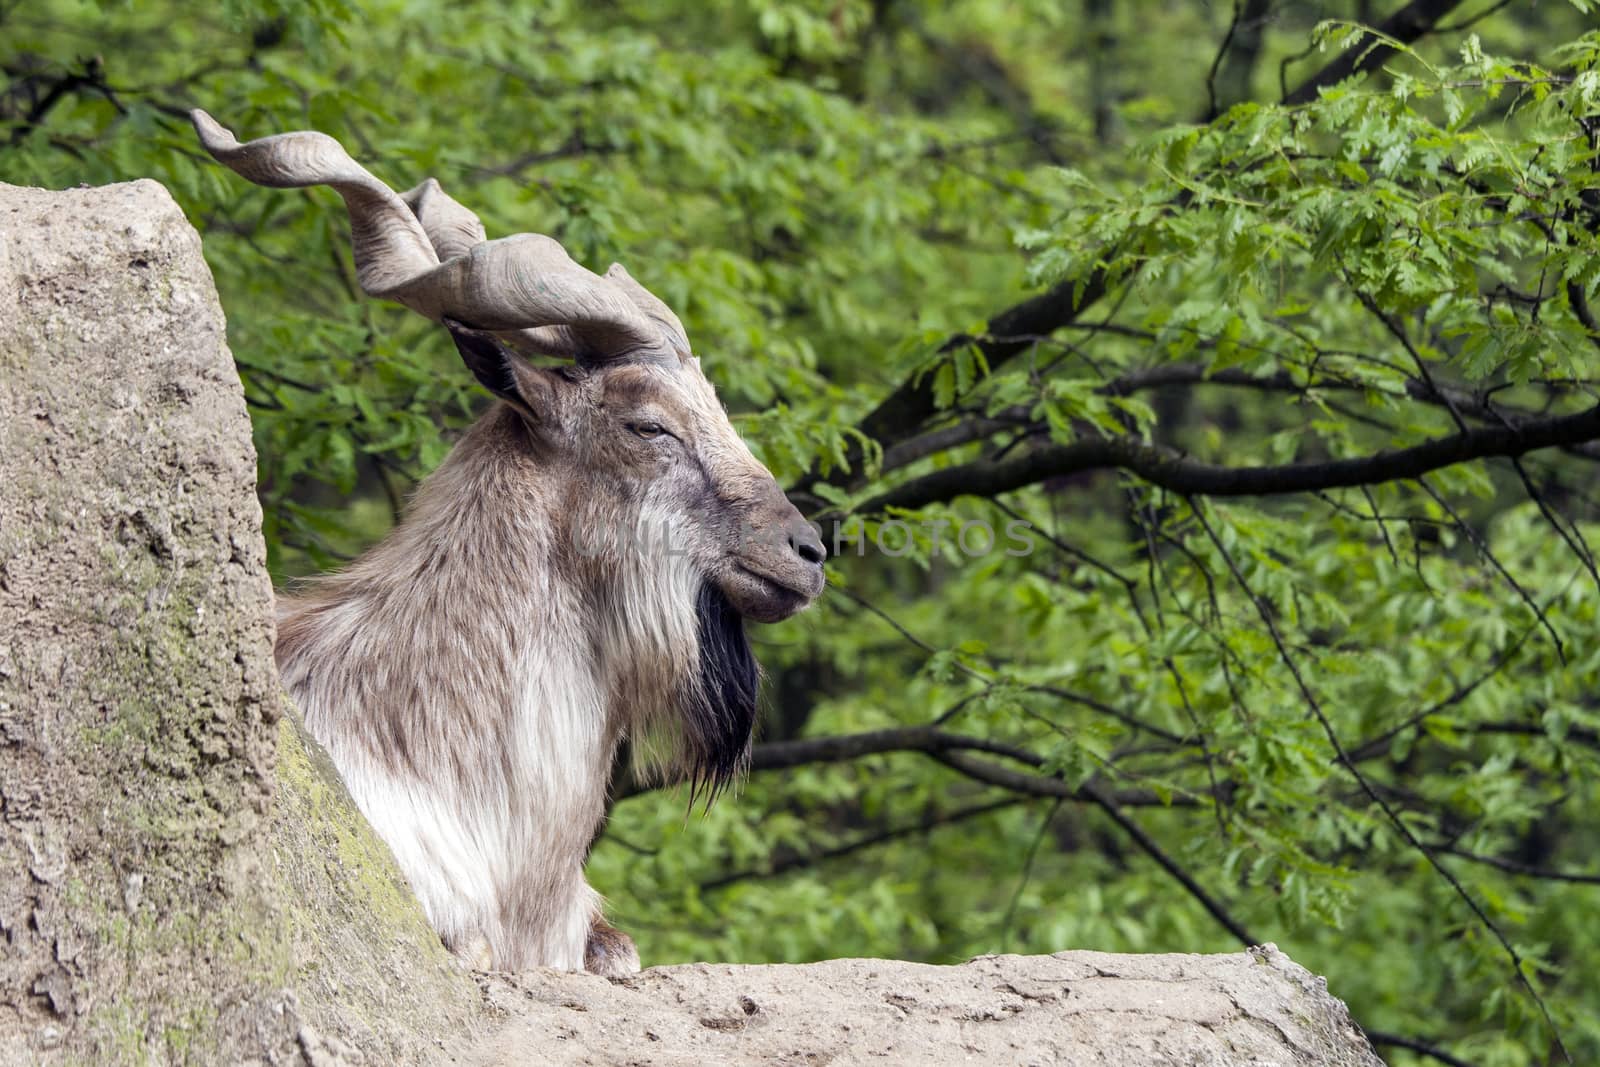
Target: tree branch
{"x": 1380, "y": 1037}
{"x": 1228, "y": 81}
{"x": 1146, "y": 843}
{"x": 1171, "y": 470}
{"x": 942, "y": 746}
{"x": 931, "y": 820}
{"x": 1264, "y": 612}
{"x": 1365, "y": 750}
{"x": 903, "y": 410}
{"x": 1009, "y": 334}
{"x": 1411, "y": 23}
{"x": 1527, "y": 870}
{"x": 781, "y": 755}
{"x": 1586, "y": 737}
{"x": 907, "y": 452}
{"x": 1039, "y": 785}
{"x": 1195, "y": 373}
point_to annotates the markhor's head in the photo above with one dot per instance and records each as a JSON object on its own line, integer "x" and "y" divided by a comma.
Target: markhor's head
{"x": 655, "y": 464}
{"x": 658, "y": 471}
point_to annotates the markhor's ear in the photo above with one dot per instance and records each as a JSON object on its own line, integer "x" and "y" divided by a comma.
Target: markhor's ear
{"x": 507, "y": 375}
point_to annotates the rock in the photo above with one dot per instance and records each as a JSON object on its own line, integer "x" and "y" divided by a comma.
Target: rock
{"x": 156, "y": 905}
{"x": 183, "y": 878}
{"x": 1087, "y": 1009}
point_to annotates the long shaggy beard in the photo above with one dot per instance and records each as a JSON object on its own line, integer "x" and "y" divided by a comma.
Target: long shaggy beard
{"x": 719, "y": 710}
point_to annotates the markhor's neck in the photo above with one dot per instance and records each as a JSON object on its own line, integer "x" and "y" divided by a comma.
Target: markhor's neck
{"x": 484, "y": 556}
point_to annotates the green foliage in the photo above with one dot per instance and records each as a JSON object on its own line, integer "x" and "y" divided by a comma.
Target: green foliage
{"x": 1361, "y": 719}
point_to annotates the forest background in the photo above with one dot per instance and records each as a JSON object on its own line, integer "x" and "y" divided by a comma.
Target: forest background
{"x": 1274, "y": 321}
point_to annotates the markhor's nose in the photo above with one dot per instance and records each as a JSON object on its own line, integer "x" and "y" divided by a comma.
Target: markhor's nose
{"x": 805, "y": 542}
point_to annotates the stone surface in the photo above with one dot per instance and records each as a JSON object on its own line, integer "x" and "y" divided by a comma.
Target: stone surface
{"x": 155, "y": 905}
{"x": 1086, "y": 1009}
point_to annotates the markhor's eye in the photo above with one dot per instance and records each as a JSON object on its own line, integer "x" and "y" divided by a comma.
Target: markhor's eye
{"x": 647, "y": 430}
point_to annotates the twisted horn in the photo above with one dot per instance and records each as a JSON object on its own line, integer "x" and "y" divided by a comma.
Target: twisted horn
{"x": 525, "y": 286}
{"x": 454, "y": 230}
{"x": 652, "y": 306}
{"x": 451, "y": 228}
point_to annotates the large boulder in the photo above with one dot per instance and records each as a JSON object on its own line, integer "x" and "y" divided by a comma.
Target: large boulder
{"x": 156, "y": 903}
{"x": 183, "y": 878}
{"x": 1086, "y": 1009}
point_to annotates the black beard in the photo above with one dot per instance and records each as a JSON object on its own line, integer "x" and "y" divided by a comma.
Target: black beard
{"x": 720, "y": 712}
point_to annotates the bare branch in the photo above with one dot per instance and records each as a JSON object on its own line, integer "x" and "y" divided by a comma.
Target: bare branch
{"x": 1236, "y": 57}
{"x": 1145, "y": 842}
{"x": 1367, "y": 749}
{"x": 1527, "y": 870}
{"x": 1579, "y": 301}
{"x": 1573, "y": 536}
{"x": 1494, "y": 561}
{"x": 1589, "y": 738}
{"x": 1170, "y": 469}
{"x": 1411, "y": 23}
{"x": 943, "y": 746}
{"x": 930, "y": 820}
{"x": 904, "y": 453}
{"x": 1038, "y": 785}
{"x": 1395, "y": 328}
{"x": 1380, "y": 1037}
{"x": 902, "y": 631}
{"x": 1472, "y": 20}
{"x": 1166, "y": 375}
{"x": 781, "y": 755}
{"x": 1027, "y": 873}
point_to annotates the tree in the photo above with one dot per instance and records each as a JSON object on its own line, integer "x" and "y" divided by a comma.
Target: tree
{"x": 1295, "y": 403}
